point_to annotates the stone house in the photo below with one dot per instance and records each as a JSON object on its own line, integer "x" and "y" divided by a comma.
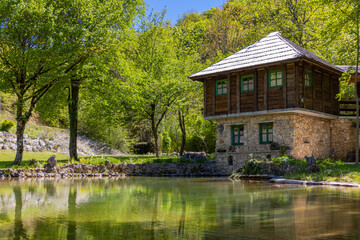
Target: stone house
{"x": 275, "y": 96}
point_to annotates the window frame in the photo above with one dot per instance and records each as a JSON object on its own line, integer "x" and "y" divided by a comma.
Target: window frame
{"x": 241, "y": 127}
{"x": 221, "y": 82}
{"x": 310, "y": 79}
{"x": 269, "y": 78}
{"x": 242, "y": 83}
{"x": 267, "y": 132}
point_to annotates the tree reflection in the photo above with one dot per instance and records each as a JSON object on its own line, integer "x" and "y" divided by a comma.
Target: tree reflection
{"x": 71, "y": 232}
{"x": 19, "y": 229}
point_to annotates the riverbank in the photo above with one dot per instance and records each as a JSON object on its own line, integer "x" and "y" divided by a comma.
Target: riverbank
{"x": 108, "y": 169}
{"x": 286, "y": 170}
{"x": 282, "y": 180}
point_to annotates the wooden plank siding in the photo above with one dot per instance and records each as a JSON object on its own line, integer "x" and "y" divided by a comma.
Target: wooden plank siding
{"x": 290, "y": 85}
{"x": 319, "y": 97}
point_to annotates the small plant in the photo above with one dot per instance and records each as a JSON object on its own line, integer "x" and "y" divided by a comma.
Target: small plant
{"x": 6, "y": 125}
{"x": 33, "y": 162}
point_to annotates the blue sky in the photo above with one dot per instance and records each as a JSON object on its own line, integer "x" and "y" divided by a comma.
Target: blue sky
{"x": 175, "y": 8}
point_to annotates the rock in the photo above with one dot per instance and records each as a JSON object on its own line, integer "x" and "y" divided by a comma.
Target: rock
{"x": 52, "y": 161}
{"x": 193, "y": 157}
{"x": 13, "y": 146}
{"x": 313, "y": 168}
{"x": 42, "y": 143}
{"x": 310, "y": 161}
{"x": 35, "y": 149}
{"x": 108, "y": 165}
{"x": 28, "y": 148}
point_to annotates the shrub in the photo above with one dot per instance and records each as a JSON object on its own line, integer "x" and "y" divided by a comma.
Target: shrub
{"x": 6, "y": 125}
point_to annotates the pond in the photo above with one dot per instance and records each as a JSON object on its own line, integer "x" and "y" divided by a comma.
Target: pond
{"x": 175, "y": 208}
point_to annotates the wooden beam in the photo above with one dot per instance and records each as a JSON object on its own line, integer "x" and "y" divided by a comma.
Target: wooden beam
{"x": 297, "y": 89}
{"x": 205, "y": 96}
{"x": 322, "y": 91}
{"x": 213, "y": 82}
{"x": 266, "y": 73}
{"x": 313, "y": 87}
{"x": 284, "y": 88}
{"x": 238, "y": 93}
{"x": 255, "y": 90}
{"x": 303, "y": 82}
{"x": 229, "y": 94}
{"x": 331, "y": 93}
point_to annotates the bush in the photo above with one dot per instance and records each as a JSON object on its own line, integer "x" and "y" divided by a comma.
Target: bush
{"x": 6, "y": 125}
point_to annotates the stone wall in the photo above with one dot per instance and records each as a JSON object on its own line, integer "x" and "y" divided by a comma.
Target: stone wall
{"x": 343, "y": 137}
{"x": 283, "y": 125}
{"x": 303, "y": 135}
{"x": 311, "y": 137}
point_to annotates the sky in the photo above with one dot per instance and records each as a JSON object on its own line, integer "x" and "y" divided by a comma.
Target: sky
{"x": 175, "y": 8}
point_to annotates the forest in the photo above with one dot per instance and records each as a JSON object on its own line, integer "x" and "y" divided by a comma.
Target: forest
{"x": 117, "y": 71}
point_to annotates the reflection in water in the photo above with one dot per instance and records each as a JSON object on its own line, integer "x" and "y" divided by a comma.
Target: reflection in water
{"x": 71, "y": 231}
{"x": 175, "y": 208}
{"x": 19, "y": 230}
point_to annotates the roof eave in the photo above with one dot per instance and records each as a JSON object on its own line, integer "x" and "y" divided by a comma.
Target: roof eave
{"x": 198, "y": 78}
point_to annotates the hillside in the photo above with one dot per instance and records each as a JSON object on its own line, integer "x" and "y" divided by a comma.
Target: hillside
{"x": 40, "y": 138}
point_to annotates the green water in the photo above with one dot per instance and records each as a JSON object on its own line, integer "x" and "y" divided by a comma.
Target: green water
{"x": 175, "y": 208}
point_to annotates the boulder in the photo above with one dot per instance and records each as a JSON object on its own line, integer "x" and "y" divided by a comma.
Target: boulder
{"x": 52, "y": 161}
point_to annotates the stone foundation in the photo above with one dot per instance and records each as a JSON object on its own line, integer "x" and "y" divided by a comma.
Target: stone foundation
{"x": 301, "y": 135}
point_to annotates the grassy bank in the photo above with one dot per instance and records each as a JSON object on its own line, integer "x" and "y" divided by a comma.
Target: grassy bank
{"x": 327, "y": 170}
{"x": 330, "y": 171}
{"x": 7, "y": 157}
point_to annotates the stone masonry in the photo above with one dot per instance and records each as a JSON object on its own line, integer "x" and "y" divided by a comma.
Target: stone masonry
{"x": 300, "y": 134}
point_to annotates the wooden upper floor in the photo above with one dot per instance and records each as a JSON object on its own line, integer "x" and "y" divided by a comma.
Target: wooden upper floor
{"x": 287, "y": 86}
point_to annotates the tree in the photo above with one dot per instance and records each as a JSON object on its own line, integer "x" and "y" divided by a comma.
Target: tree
{"x": 43, "y": 42}
{"x": 153, "y": 78}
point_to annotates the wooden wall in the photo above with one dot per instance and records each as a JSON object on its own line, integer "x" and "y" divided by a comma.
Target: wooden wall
{"x": 320, "y": 97}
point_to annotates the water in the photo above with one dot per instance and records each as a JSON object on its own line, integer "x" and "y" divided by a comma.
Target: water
{"x": 175, "y": 208}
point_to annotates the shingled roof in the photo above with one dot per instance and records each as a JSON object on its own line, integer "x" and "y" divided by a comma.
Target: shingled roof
{"x": 270, "y": 49}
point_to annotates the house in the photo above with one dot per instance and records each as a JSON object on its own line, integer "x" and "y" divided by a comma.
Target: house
{"x": 273, "y": 97}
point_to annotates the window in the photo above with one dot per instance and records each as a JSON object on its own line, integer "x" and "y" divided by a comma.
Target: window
{"x": 308, "y": 79}
{"x": 275, "y": 78}
{"x": 247, "y": 83}
{"x": 266, "y": 133}
{"x": 221, "y": 87}
{"x": 237, "y": 133}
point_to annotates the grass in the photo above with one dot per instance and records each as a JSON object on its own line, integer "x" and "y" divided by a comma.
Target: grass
{"x": 7, "y": 157}
{"x": 330, "y": 171}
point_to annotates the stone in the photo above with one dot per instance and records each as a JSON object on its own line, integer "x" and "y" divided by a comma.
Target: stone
{"x": 13, "y": 146}
{"x": 310, "y": 161}
{"x": 42, "y": 143}
{"x": 52, "y": 161}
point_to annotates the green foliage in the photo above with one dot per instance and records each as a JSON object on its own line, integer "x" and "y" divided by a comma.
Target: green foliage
{"x": 6, "y": 125}
{"x": 251, "y": 167}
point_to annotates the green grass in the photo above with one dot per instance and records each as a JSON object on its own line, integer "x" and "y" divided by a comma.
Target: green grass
{"x": 338, "y": 171}
{"x": 7, "y": 157}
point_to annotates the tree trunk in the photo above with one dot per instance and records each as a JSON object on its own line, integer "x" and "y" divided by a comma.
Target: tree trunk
{"x": 156, "y": 140}
{"x": 20, "y": 128}
{"x": 356, "y": 83}
{"x": 183, "y": 132}
{"x": 73, "y": 115}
